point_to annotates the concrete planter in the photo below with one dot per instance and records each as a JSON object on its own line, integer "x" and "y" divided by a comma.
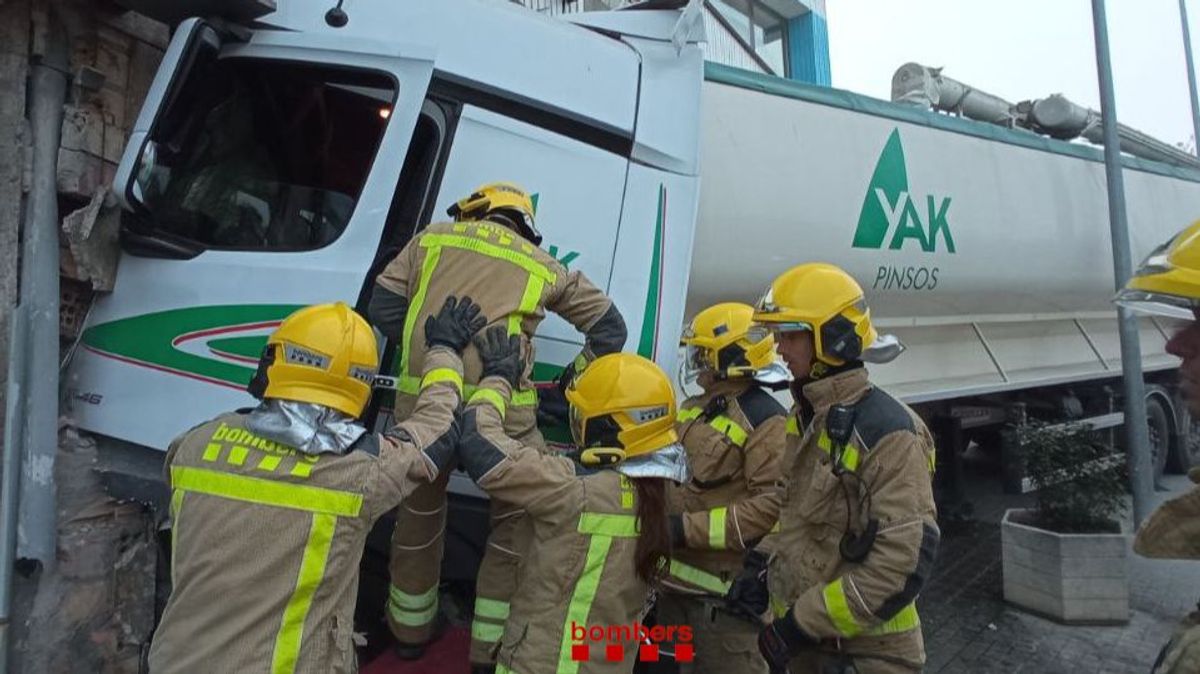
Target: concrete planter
{"x": 1072, "y": 578}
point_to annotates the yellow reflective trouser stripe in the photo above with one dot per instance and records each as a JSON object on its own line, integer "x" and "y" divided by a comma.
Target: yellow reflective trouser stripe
{"x": 716, "y": 527}
{"x": 492, "y": 608}
{"x": 824, "y": 442}
{"x": 441, "y": 374}
{"x": 501, "y": 669}
{"x": 489, "y": 396}
{"x": 729, "y": 428}
{"x": 603, "y": 524}
{"x": 266, "y": 492}
{"x": 489, "y": 632}
{"x": 688, "y": 414}
{"x": 793, "y": 426}
{"x": 699, "y": 577}
{"x": 432, "y": 255}
{"x": 176, "y": 508}
{"x": 312, "y": 572}
{"x": 529, "y": 302}
{"x": 582, "y": 597}
{"x": 412, "y": 610}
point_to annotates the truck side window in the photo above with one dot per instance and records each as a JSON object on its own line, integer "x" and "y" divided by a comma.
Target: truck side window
{"x": 254, "y": 154}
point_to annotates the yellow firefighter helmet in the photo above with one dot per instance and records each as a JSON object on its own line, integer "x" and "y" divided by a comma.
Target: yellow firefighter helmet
{"x": 324, "y": 354}
{"x": 506, "y": 199}
{"x": 1168, "y": 281}
{"x": 622, "y": 406}
{"x": 822, "y": 299}
{"x": 723, "y": 339}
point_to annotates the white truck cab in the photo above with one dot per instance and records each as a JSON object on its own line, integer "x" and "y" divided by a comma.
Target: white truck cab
{"x": 284, "y": 163}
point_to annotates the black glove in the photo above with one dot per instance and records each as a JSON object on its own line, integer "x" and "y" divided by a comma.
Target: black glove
{"x": 454, "y": 325}
{"x": 748, "y": 594}
{"x": 501, "y": 354}
{"x": 678, "y": 536}
{"x": 783, "y": 640}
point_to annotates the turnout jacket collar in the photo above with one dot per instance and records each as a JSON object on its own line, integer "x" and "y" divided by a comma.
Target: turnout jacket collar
{"x": 844, "y": 387}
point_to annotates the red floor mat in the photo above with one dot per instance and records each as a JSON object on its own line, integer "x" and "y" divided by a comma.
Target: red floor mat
{"x": 448, "y": 655}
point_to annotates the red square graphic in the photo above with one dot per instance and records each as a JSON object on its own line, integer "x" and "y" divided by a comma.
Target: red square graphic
{"x": 580, "y": 653}
{"x": 648, "y": 653}
{"x": 614, "y": 652}
{"x": 683, "y": 653}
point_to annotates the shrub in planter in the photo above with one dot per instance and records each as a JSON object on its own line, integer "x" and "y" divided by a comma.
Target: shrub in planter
{"x": 1067, "y": 558}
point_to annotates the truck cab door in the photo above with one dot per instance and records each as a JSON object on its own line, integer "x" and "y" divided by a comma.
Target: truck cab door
{"x": 256, "y": 180}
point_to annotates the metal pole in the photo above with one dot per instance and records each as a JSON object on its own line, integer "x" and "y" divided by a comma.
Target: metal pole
{"x": 10, "y": 480}
{"x": 36, "y": 533}
{"x": 1191, "y": 70}
{"x": 1137, "y": 439}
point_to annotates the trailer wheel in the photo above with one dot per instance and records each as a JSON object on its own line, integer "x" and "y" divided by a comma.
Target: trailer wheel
{"x": 1158, "y": 424}
{"x": 1186, "y": 452}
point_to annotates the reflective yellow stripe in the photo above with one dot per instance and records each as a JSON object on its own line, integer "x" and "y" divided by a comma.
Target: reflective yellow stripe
{"x": 237, "y": 455}
{"x": 850, "y": 457}
{"x": 401, "y": 599}
{"x": 581, "y": 362}
{"x": 176, "y": 508}
{"x": 212, "y": 451}
{"x": 907, "y": 619}
{"x": 529, "y": 303}
{"x": 410, "y": 618}
{"x": 779, "y": 608}
{"x": 716, "y": 527}
{"x": 584, "y": 594}
{"x": 501, "y": 669}
{"x": 303, "y": 466}
{"x": 267, "y": 492}
{"x": 519, "y": 398}
{"x": 269, "y": 463}
{"x": 839, "y": 609}
{"x": 435, "y": 241}
{"x": 793, "y": 426}
{"x": 604, "y": 524}
{"x": 688, "y": 414}
{"x": 775, "y": 527}
{"x": 729, "y": 428}
{"x": 489, "y": 396}
{"x": 699, "y": 577}
{"x": 312, "y": 572}
{"x": 488, "y": 632}
{"x": 441, "y": 374}
{"x": 432, "y": 255}
{"x": 492, "y": 608}
{"x": 626, "y": 493}
{"x": 824, "y": 442}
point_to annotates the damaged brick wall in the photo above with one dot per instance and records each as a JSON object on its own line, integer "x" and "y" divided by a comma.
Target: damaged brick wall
{"x": 94, "y": 611}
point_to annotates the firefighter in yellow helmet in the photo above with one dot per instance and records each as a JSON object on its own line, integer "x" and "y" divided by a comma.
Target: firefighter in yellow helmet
{"x": 490, "y": 252}
{"x": 271, "y": 506}
{"x": 598, "y": 515}
{"x": 1168, "y": 284}
{"x": 733, "y": 433}
{"x": 857, "y": 534}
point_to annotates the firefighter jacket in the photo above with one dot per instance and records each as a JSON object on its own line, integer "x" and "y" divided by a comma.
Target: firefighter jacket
{"x": 883, "y": 474}
{"x": 512, "y": 280}
{"x": 266, "y": 540}
{"x": 734, "y": 436}
{"x": 579, "y": 572}
{"x": 1173, "y": 532}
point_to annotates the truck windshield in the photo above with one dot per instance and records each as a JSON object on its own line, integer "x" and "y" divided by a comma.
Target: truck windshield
{"x": 262, "y": 155}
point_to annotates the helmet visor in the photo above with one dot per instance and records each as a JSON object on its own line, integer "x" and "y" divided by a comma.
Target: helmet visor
{"x": 695, "y": 361}
{"x": 1158, "y": 304}
{"x": 575, "y": 418}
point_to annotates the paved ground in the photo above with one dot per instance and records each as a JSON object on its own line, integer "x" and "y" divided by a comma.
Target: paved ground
{"x": 969, "y": 627}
